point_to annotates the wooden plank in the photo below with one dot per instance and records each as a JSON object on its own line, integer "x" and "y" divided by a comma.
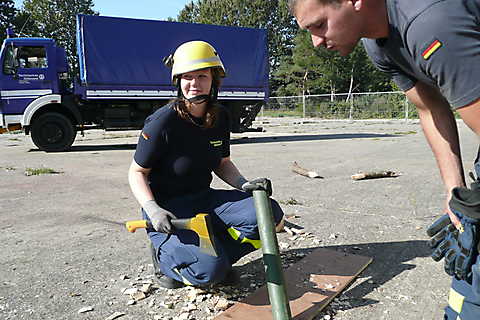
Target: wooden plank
{"x": 312, "y": 283}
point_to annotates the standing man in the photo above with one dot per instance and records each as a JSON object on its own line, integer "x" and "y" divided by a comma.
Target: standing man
{"x": 431, "y": 48}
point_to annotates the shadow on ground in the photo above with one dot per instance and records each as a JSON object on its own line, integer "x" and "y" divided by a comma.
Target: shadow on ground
{"x": 96, "y": 148}
{"x": 244, "y": 140}
{"x": 310, "y": 137}
{"x": 390, "y": 259}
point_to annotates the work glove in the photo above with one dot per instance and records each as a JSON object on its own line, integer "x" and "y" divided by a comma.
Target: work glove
{"x": 458, "y": 246}
{"x": 444, "y": 242}
{"x": 462, "y": 254}
{"x": 443, "y": 235}
{"x": 160, "y": 218}
{"x": 258, "y": 184}
{"x": 465, "y": 204}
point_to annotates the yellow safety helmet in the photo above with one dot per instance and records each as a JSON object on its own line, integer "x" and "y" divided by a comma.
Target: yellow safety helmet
{"x": 194, "y": 55}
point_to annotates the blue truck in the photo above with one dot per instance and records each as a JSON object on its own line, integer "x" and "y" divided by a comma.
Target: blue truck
{"x": 121, "y": 77}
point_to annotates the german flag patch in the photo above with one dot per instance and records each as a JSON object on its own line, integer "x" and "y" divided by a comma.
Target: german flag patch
{"x": 145, "y": 136}
{"x": 434, "y": 46}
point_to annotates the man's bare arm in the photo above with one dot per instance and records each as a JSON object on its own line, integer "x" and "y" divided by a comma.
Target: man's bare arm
{"x": 440, "y": 129}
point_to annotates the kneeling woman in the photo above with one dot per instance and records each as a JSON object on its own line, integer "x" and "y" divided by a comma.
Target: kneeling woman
{"x": 180, "y": 146}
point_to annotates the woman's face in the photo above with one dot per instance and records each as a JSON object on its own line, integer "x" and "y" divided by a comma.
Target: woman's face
{"x": 196, "y": 83}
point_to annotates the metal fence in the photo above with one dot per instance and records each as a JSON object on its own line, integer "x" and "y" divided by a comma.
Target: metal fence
{"x": 354, "y": 106}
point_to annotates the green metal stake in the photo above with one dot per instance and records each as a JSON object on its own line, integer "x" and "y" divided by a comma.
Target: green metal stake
{"x": 277, "y": 291}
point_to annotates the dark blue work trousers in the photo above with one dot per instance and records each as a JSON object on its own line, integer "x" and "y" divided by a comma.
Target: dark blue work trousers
{"x": 464, "y": 297}
{"x": 179, "y": 253}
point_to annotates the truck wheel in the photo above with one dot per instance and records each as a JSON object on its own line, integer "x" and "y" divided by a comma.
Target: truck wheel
{"x": 53, "y": 132}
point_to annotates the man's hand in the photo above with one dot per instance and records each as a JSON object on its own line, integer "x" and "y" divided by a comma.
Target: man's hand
{"x": 453, "y": 218}
{"x": 160, "y": 218}
{"x": 258, "y": 184}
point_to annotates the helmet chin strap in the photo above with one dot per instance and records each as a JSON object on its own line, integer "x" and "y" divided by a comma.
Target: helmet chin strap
{"x": 199, "y": 99}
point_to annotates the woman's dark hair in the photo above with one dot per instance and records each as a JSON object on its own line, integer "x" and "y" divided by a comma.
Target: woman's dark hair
{"x": 182, "y": 106}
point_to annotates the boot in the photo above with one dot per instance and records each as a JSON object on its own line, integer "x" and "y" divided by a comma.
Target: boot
{"x": 163, "y": 280}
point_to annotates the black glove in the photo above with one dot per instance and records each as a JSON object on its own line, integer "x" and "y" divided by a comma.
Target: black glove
{"x": 258, "y": 184}
{"x": 465, "y": 203}
{"x": 443, "y": 235}
{"x": 160, "y": 218}
{"x": 459, "y": 248}
{"x": 463, "y": 252}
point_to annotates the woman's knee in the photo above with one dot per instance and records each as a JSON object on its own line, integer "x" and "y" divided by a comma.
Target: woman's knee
{"x": 207, "y": 271}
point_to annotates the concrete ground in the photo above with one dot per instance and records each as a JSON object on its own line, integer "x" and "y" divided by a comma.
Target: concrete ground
{"x": 63, "y": 246}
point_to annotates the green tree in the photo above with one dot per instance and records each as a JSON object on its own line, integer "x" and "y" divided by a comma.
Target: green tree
{"x": 7, "y": 17}
{"x": 57, "y": 19}
{"x": 316, "y": 71}
{"x": 269, "y": 14}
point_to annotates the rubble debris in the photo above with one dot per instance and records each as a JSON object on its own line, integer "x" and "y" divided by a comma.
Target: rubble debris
{"x": 374, "y": 175}
{"x": 189, "y": 307}
{"x": 288, "y": 230}
{"x": 291, "y": 216}
{"x": 283, "y": 246}
{"x": 183, "y": 316}
{"x": 151, "y": 303}
{"x": 137, "y": 296}
{"x": 167, "y": 304}
{"x": 130, "y": 291}
{"x": 85, "y": 309}
{"x": 304, "y": 172}
{"x": 297, "y": 231}
{"x": 146, "y": 288}
{"x": 222, "y": 304}
{"x": 115, "y": 315}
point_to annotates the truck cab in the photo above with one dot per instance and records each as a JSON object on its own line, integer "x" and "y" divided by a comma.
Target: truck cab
{"x": 32, "y": 82}
{"x": 31, "y": 67}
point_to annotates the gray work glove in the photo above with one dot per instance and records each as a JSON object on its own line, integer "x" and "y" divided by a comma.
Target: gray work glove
{"x": 160, "y": 218}
{"x": 258, "y": 184}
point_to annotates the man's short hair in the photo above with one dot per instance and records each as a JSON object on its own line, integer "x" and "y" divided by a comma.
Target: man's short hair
{"x": 292, "y": 4}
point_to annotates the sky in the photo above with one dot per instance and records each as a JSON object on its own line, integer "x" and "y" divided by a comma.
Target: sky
{"x": 142, "y": 9}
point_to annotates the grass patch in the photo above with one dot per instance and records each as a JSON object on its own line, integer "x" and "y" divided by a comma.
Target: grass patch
{"x": 291, "y": 202}
{"x": 281, "y": 113}
{"x": 39, "y": 171}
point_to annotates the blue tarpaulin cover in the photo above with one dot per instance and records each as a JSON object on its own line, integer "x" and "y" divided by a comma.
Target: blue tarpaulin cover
{"x": 123, "y": 52}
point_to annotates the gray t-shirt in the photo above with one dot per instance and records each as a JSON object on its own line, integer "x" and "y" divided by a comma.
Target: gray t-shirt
{"x": 433, "y": 41}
